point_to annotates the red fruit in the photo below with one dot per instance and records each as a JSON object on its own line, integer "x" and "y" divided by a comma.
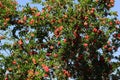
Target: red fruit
{"x": 14, "y": 62}
{"x": 10, "y": 69}
{"x": 48, "y": 54}
{"x": 58, "y": 31}
{"x": 115, "y": 35}
{"x": 109, "y": 59}
{"x": 43, "y": 11}
{"x": 85, "y": 44}
{"x": 105, "y": 47}
{"x": 45, "y": 67}
{"x": 109, "y": 49}
{"x": 36, "y": 73}
{"x": 65, "y": 16}
{"x": 5, "y": 23}
{"x": 110, "y": 23}
{"x": 117, "y": 22}
{"x": 6, "y": 78}
{"x": 2, "y": 37}
{"x": 77, "y": 27}
{"x": 76, "y": 65}
{"x": 24, "y": 18}
{"x": 37, "y": 14}
{"x": 20, "y": 21}
{"x": 74, "y": 41}
{"x": 30, "y": 72}
{"x": 85, "y": 23}
{"x": 1, "y": 4}
{"x": 47, "y": 15}
{"x": 66, "y": 73}
{"x": 108, "y": 42}
{"x": 65, "y": 40}
{"x": 96, "y": 0}
{"x": 20, "y": 42}
{"x": 34, "y": 61}
{"x": 110, "y": 67}
{"x": 51, "y": 47}
{"x": 95, "y": 30}
{"x": 118, "y": 36}
{"x": 111, "y": 1}
{"x": 45, "y": 75}
{"x": 32, "y": 52}
{"x": 49, "y": 8}
{"x": 86, "y": 37}
{"x": 31, "y": 22}
{"x": 61, "y": 28}
{"x": 42, "y": 45}
{"x": 99, "y": 31}
{"x": 102, "y": 59}
{"x": 32, "y": 35}
{"x": 80, "y": 57}
{"x": 93, "y": 9}
{"x": 7, "y": 19}
{"x": 94, "y": 41}
{"x": 55, "y": 55}
{"x": 53, "y": 21}
{"x": 75, "y": 34}
{"x": 95, "y": 56}
{"x": 86, "y": 17}
{"x": 58, "y": 43}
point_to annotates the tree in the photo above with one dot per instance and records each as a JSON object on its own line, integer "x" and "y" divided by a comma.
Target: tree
{"x": 67, "y": 38}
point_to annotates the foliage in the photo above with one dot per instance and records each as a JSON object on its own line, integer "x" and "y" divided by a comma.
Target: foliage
{"x": 67, "y": 38}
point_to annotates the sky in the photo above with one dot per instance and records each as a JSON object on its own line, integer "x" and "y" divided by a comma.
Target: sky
{"x": 117, "y": 7}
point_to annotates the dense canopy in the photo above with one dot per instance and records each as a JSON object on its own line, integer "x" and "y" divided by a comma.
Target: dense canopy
{"x": 66, "y": 39}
